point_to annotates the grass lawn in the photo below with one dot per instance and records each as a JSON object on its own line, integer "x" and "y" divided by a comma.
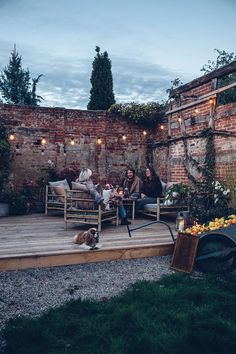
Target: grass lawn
{"x": 178, "y": 314}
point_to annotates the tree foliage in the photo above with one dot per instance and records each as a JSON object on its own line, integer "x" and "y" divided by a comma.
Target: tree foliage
{"x": 15, "y": 83}
{"x": 101, "y": 93}
{"x": 223, "y": 58}
{"x": 145, "y": 114}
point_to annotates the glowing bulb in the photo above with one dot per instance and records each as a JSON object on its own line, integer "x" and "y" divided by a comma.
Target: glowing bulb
{"x": 196, "y": 110}
{"x": 162, "y": 127}
{"x": 99, "y": 141}
{"x": 211, "y": 101}
{"x": 124, "y": 137}
{"x": 72, "y": 142}
{"x": 144, "y": 133}
{"x": 43, "y": 141}
{"x": 11, "y": 137}
{"x": 180, "y": 120}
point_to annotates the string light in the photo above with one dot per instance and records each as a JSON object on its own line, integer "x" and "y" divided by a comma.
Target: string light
{"x": 124, "y": 137}
{"x": 72, "y": 142}
{"x": 43, "y": 141}
{"x": 144, "y": 132}
{"x": 99, "y": 141}
{"x": 162, "y": 127}
{"x": 196, "y": 110}
{"x": 180, "y": 120}
{"x": 211, "y": 101}
{"x": 12, "y": 137}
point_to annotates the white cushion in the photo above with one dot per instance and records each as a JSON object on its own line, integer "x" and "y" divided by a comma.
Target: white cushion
{"x": 106, "y": 195}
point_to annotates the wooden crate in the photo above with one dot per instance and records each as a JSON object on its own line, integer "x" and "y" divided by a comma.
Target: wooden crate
{"x": 185, "y": 252}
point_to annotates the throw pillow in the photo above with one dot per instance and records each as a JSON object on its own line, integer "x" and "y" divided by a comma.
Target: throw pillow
{"x": 59, "y": 183}
{"x": 79, "y": 186}
{"x": 106, "y": 195}
{"x": 60, "y": 192}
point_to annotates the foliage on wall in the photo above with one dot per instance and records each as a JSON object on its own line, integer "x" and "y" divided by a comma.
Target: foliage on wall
{"x": 208, "y": 197}
{"x": 145, "y": 114}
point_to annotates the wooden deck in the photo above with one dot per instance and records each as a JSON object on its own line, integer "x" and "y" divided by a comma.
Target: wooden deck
{"x": 36, "y": 240}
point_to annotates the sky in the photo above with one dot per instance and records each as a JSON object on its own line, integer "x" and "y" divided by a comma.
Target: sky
{"x": 150, "y": 43}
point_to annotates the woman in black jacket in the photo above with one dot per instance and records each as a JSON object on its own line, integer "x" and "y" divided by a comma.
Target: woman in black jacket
{"x": 151, "y": 189}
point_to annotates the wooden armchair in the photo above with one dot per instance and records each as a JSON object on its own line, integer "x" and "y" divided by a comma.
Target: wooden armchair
{"x": 81, "y": 208}
{"x": 175, "y": 199}
{"x": 162, "y": 208}
{"x": 54, "y": 202}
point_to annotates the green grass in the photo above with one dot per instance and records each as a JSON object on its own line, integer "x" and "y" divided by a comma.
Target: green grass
{"x": 177, "y": 315}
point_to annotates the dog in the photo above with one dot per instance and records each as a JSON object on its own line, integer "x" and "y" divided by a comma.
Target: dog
{"x": 88, "y": 238}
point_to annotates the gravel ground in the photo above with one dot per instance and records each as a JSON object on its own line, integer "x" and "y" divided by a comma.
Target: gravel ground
{"x": 30, "y": 292}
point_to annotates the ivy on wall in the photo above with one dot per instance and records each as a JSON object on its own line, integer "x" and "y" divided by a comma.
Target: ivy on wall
{"x": 146, "y": 114}
{"x": 208, "y": 197}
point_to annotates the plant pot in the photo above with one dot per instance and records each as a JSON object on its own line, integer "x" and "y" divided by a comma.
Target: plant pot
{"x": 4, "y": 209}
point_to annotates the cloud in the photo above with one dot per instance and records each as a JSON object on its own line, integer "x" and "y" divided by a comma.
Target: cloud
{"x": 66, "y": 78}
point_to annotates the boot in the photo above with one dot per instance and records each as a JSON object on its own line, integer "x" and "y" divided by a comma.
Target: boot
{"x": 125, "y": 222}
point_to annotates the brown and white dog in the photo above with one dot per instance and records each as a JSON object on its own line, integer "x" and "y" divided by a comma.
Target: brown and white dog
{"x": 88, "y": 238}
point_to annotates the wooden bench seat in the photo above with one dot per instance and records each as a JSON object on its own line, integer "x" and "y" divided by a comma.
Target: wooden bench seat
{"x": 81, "y": 208}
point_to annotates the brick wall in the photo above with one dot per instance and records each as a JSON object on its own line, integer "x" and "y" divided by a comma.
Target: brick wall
{"x": 185, "y": 124}
{"x": 107, "y": 160}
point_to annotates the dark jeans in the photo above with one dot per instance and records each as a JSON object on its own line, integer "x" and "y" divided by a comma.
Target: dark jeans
{"x": 143, "y": 201}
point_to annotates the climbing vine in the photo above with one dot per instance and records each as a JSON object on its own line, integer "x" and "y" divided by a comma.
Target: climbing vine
{"x": 208, "y": 197}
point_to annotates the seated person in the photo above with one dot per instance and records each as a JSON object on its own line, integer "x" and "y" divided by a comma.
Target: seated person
{"x": 151, "y": 189}
{"x": 115, "y": 199}
{"x": 85, "y": 178}
{"x": 132, "y": 182}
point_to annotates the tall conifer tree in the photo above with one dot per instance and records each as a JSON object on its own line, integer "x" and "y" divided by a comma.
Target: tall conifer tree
{"x": 15, "y": 83}
{"x": 101, "y": 93}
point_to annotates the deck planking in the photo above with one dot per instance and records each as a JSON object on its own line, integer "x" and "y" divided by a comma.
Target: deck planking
{"x": 37, "y": 240}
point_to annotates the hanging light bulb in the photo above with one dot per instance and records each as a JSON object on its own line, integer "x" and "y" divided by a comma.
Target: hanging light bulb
{"x": 43, "y": 141}
{"x": 180, "y": 120}
{"x": 124, "y": 137}
{"x": 11, "y": 137}
{"x": 99, "y": 141}
{"x": 196, "y": 110}
{"x": 72, "y": 142}
{"x": 211, "y": 101}
{"x": 162, "y": 127}
{"x": 144, "y": 132}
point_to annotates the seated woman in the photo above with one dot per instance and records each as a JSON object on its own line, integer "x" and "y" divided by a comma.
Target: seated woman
{"x": 132, "y": 182}
{"x": 85, "y": 178}
{"x": 151, "y": 189}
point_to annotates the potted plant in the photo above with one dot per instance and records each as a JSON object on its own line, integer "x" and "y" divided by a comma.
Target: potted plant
{"x": 178, "y": 193}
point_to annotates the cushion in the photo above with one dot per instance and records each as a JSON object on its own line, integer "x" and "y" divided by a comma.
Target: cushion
{"x": 150, "y": 207}
{"x": 59, "y": 192}
{"x": 164, "y": 186}
{"x": 106, "y": 195}
{"x": 79, "y": 186}
{"x": 59, "y": 183}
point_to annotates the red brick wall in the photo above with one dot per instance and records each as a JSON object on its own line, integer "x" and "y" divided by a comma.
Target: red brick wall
{"x": 107, "y": 161}
{"x": 192, "y": 123}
